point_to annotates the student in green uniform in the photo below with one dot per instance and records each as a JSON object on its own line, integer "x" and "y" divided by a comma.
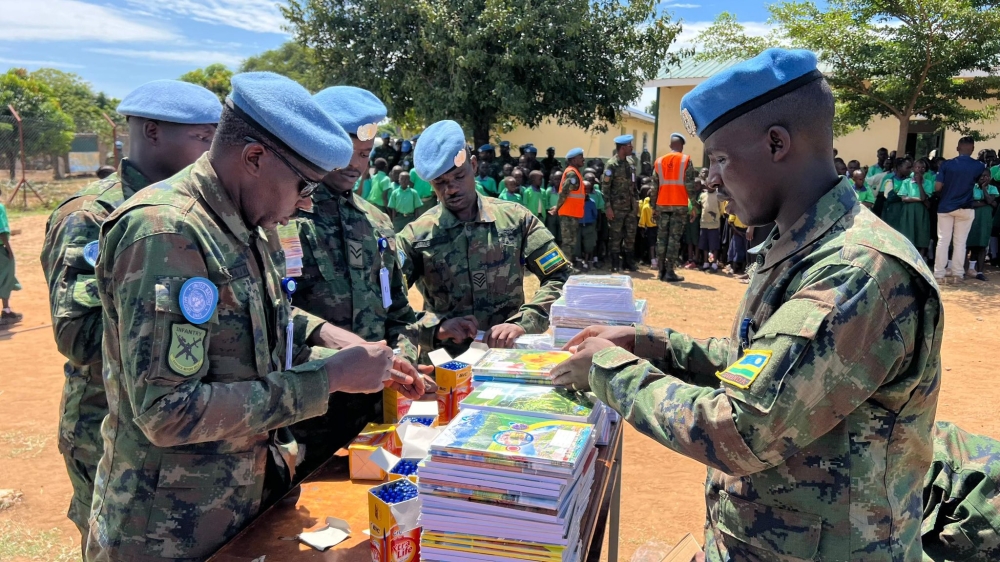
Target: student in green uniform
{"x": 984, "y": 201}
{"x": 880, "y": 166}
{"x": 915, "y": 216}
{"x": 892, "y": 212}
{"x": 403, "y": 203}
{"x": 602, "y": 227}
{"x": 865, "y": 195}
{"x": 485, "y": 184}
{"x": 426, "y": 192}
{"x": 512, "y": 192}
{"x": 534, "y": 197}
{"x": 8, "y": 282}
{"x": 379, "y": 194}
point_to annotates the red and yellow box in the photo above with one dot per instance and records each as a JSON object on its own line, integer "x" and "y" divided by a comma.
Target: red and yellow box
{"x": 454, "y": 380}
{"x": 389, "y": 543}
{"x": 373, "y": 437}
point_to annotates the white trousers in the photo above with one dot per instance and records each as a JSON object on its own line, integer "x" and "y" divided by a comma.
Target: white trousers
{"x": 952, "y": 230}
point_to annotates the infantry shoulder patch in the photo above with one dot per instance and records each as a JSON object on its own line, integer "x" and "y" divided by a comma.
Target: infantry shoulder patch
{"x": 187, "y": 349}
{"x": 85, "y": 291}
{"x": 551, "y": 261}
{"x": 742, "y": 373}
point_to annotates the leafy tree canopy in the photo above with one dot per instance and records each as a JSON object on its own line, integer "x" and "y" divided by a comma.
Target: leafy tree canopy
{"x": 489, "y": 64}
{"x": 215, "y": 77}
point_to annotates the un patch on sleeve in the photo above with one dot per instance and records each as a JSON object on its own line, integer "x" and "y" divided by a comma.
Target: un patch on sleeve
{"x": 551, "y": 261}
{"x": 742, "y": 373}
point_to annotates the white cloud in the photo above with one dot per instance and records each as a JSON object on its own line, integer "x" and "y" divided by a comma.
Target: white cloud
{"x": 73, "y": 20}
{"x": 197, "y": 58}
{"x": 681, "y": 6}
{"x": 691, "y": 29}
{"x": 40, "y": 63}
{"x": 251, "y": 15}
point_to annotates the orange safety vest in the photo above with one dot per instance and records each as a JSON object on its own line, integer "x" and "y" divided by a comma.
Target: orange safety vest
{"x": 573, "y": 205}
{"x": 671, "y": 168}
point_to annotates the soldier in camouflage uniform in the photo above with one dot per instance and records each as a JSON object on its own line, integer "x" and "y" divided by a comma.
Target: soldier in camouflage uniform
{"x": 671, "y": 220}
{"x": 468, "y": 255}
{"x": 494, "y": 168}
{"x": 620, "y": 190}
{"x": 386, "y": 152}
{"x": 195, "y": 362}
{"x": 571, "y": 186}
{"x": 505, "y": 156}
{"x": 171, "y": 124}
{"x": 340, "y": 238}
{"x": 814, "y": 417}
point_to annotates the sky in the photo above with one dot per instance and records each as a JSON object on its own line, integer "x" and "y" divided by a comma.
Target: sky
{"x": 117, "y": 45}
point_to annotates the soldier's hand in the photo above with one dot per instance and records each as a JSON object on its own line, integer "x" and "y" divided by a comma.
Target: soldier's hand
{"x": 405, "y": 379}
{"x": 503, "y": 335}
{"x": 332, "y": 337}
{"x": 427, "y": 373}
{"x": 574, "y": 373}
{"x": 361, "y": 368}
{"x": 609, "y": 213}
{"x": 458, "y": 329}
{"x": 622, "y": 336}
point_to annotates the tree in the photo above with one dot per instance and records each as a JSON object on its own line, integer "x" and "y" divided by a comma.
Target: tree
{"x": 47, "y": 129}
{"x": 215, "y": 77}
{"x": 291, "y": 59}
{"x": 653, "y": 107}
{"x": 489, "y": 64}
{"x": 897, "y": 59}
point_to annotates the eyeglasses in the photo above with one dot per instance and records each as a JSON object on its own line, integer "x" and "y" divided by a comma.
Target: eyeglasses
{"x": 310, "y": 185}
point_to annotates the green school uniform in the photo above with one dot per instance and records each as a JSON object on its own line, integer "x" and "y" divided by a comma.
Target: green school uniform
{"x": 380, "y": 185}
{"x": 865, "y": 195}
{"x": 598, "y": 198}
{"x": 422, "y": 187}
{"x": 512, "y": 197}
{"x": 486, "y": 186}
{"x": 8, "y": 282}
{"x": 915, "y": 217}
{"x": 536, "y": 201}
{"x": 405, "y": 201}
{"x": 892, "y": 212}
{"x": 982, "y": 225}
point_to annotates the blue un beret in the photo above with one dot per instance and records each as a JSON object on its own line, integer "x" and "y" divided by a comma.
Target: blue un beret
{"x": 283, "y": 109}
{"x": 679, "y": 137}
{"x": 624, "y": 139}
{"x": 358, "y": 111}
{"x": 530, "y": 149}
{"x": 486, "y": 148}
{"x": 745, "y": 87}
{"x": 574, "y": 152}
{"x": 407, "y": 146}
{"x": 443, "y": 149}
{"x": 504, "y": 144}
{"x": 172, "y": 101}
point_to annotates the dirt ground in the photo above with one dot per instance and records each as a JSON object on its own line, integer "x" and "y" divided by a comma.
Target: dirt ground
{"x": 662, "y": 495}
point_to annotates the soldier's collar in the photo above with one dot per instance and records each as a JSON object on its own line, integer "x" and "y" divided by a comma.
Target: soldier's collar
{"x": 448, "y": 218}
{"x": 210, "y": 188}
{"x": 813, "y": 224}
{"x": 132, "y": 179}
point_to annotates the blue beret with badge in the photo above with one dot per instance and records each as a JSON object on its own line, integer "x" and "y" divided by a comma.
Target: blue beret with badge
{"x": 574, "y": 152}
{"x": 407, "y": 146}
{"x": 504, "y": 144}
{"x": 357, "y": 110}
{"x": 530, "y": 150}
{"x": 286, "y": 113}
{"x": 679, "y": 137}
{"x": 745, "y": 87}
{"x": 442, "y": 149}
{"x": 624, "y": 139}
{"x": 486, "y": 148}
{"x": 173, "y": 101}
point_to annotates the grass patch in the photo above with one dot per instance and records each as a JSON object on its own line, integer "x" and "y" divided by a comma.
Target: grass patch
{"x": 17, "y": 541}
{"x": 20, "y": 444}
{"x": 52, "y": 192}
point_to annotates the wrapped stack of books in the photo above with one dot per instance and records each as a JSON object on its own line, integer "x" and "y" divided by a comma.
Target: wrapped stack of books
{"x": 542, "y": 402}
{"x": 506, "y": 486}
{"x": 526, "y": 366}
{"x": 590, "y": 300}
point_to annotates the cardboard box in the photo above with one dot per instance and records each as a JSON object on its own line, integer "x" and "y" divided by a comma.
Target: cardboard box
{"x": 422, "y": 412}
{"x": 394, "y": 534}
{"x": 373, "y": 437}
{"x": 454, "y": 378}
{"x": 394, "y": 405}
{"x": 395, "y": 475}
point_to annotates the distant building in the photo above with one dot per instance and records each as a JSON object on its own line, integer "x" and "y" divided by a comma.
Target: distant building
{"x": 861, "y": 144}
{"x": 565, "y": 137}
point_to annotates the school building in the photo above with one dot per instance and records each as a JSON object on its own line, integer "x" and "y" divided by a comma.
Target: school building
{"x": 639, "y": 124}
{"x": 860, "y": 144}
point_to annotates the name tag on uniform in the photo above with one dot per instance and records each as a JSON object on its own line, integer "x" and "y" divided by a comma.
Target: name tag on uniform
{"x": 383, "y": 279}
{"x": 742, "y": 373}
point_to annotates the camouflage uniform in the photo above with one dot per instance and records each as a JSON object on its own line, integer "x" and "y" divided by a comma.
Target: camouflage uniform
{"x": 569, "y": 227}
{"x": 818, "y": 436}
{"x": 477, "y": 269}
{"x": 340, "y": 283}
{"x": 961, "y": 505}
{"x": 620, "y": 193}
{"x": 671, "y": 221}
{"x": 76, "y": 321}
{"x": 387, "y": 152}
{"x": 186, "y": 437}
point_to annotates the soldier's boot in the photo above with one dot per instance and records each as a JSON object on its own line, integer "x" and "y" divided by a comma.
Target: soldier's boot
{"x": 629, "y": 262}
{"x": 615, "y": 263}
{"x": 671, "y": 277}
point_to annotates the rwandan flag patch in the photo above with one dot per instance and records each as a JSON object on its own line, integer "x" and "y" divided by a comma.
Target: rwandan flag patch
{"x": 551, "y": 261}
{"x": 742, "y": 373}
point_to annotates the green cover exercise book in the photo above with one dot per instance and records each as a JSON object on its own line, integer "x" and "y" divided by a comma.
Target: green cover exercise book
{"x": 518, "y": 364}
{"x": 529, "y": 439}
{"x": 538, "y": 401}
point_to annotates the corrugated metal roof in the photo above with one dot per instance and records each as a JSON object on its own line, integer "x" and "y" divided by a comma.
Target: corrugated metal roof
{"x": 692, "y": 68}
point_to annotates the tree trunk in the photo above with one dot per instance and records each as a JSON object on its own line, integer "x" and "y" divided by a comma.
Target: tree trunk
{"x": 56, "y": 171}
{"x": 904, "y": 130}
{"x": 480, "y": 133}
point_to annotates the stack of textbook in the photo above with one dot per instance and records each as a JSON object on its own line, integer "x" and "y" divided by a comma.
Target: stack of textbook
{"x": 526, "y": 366}
{"x": 501, "y": 485}
{"x": 595, "y": 300}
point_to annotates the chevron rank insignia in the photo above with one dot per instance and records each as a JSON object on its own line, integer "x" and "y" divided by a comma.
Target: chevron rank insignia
{"x": 355, "y": 254}
{"x": 742, "y": 373}
{"x": 551, "y": 261}
{"x": 479, "y": 279}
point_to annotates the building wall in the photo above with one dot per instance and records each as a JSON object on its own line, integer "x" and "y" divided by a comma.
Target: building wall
{"x": 860, "y": 144}
{"x": 565, "y": 137}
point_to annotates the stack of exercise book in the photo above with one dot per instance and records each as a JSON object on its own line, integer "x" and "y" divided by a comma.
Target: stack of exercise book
{"x": 526, "y": 366}
{"x": 500, "y": 486}
{"x": 542, "y": 402}
{"x": 590, "y": 300}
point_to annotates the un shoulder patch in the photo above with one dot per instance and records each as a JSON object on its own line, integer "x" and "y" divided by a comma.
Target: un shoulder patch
{"x": 742, "y": 373}
{"x": 187, "y": 349}
{"x": 551, "y": 261}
